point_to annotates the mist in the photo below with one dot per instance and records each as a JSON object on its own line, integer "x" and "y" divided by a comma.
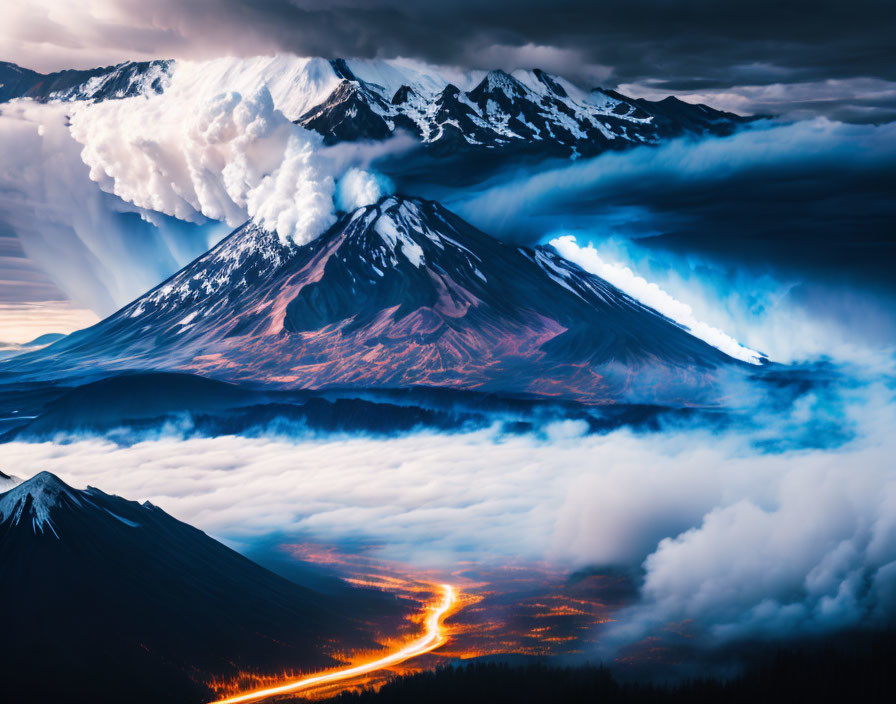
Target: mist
{"x": 779, "y": 237}
{"x": 98, "y": 250}
{"x": 111, "y": 198}
{"x": 741, "y": 532}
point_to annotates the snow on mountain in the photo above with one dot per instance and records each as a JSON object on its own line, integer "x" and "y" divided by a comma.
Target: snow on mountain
{"x": 528, "y": 108}
{"x": 34, "y": 501}
{"x": 125, "y": 80}
{"x": 362, "y": 99}
{"x": 296, "y": 83}
{"x": 398, "y": 294}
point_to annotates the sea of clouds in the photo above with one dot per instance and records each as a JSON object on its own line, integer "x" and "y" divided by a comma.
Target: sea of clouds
{"x": 742, "y": 540}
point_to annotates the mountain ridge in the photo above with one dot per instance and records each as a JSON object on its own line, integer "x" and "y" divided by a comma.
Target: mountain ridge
{"x": 528, "y": 109}
{"x": 114, "y": 579}
{"x": 351, "y": 100}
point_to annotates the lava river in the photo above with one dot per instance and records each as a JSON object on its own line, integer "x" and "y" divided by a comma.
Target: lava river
{"x": 432, "y": 638}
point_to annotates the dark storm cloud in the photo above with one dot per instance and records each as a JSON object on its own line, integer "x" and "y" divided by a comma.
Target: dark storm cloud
{"x": 814, "y": 195}
{"x": 701, "y": 46}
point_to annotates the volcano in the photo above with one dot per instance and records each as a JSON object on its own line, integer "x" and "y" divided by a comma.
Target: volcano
{"x": 398, "y": 294}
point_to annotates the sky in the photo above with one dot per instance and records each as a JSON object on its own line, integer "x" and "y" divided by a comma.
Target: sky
{"x": 783, "y": 56}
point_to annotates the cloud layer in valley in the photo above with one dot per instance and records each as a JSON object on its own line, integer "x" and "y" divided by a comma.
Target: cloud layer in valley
{"x": 746, "y": 543}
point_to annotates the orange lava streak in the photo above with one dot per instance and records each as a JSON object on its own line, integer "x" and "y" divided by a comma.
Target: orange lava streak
{"x": 433, "y": 637}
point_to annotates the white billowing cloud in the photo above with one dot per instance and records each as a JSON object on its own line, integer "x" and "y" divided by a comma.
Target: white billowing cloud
{"x": 215, "y": 147}
{"x": 789, "y": 319}
{"x": 818, "y": 554}
{"x": 741, "y": 542}
{"x": 296, "y": 199}
{"x": 195, "y": 156}
{"x": 93, "y": 246}
{"x": 653, "y": 296}
{"x": 358, "y": 188}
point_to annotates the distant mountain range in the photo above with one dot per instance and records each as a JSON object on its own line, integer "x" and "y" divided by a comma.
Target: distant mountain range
{"x": 11, "y": 349}
{"x": 125, "y": 80}
{"x": 526, "y": 111}
{"x": 108, "y": 600}
{"x": 398, "y": 294}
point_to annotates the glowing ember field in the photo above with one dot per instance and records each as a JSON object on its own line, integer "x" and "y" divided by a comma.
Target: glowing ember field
{"x": 472, "y": 611}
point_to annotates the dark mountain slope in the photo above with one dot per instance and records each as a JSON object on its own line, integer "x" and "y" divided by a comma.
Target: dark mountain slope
{"x": 107, "y": 600}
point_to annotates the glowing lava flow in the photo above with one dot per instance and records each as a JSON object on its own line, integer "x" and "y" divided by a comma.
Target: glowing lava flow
{"x": 431, "y": 639}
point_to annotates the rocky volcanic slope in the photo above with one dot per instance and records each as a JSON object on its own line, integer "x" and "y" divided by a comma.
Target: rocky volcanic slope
{"x": 401, "y": 293}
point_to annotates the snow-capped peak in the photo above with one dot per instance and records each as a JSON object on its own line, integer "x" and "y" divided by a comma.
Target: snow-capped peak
{"x": 35, "y": 499}
{"x": 408, "y": 226}
{"x": 502, "y": 81}
{"x": 393, "y": 228}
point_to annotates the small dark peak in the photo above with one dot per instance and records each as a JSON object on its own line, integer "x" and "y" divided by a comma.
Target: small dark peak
{"x": 501, "y": 89}
{"x": 45, "y": 339}
{"x": 450, "y": 91}
{"x": 671, "y": 100}
{"x": 347, "y": 115}
{"x": 402, "y": 95}
{"x": 612, "y": 94}
{"x": 550, "y": 83}
{"x": 341, "y": 69}
{"x": 9, "y": 65}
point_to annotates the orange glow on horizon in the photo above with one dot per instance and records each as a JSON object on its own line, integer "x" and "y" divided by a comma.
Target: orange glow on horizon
{"x": 433, "y": 637}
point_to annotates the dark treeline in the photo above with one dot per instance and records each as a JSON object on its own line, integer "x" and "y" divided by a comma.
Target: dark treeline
{"x": 860, "y": 674}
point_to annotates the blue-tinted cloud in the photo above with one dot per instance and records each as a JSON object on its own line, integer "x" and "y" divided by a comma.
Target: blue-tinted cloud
{"x": 780, "y": 236}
